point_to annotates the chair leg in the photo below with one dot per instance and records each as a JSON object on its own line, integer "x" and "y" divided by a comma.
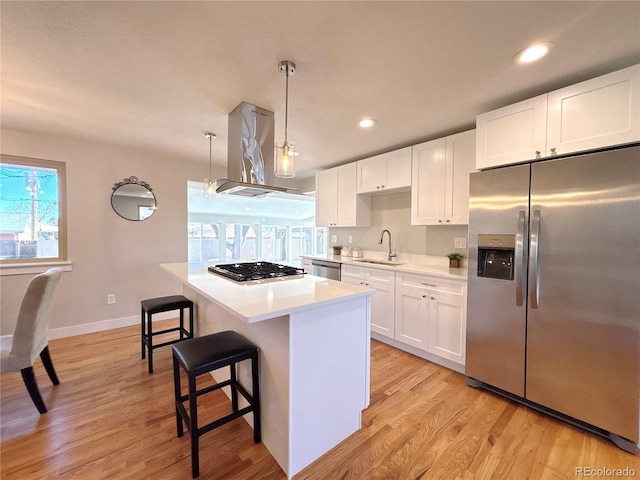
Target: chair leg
{"x": 193, "y": 428}
{"x": 181, "y": 323}
{"x": 32, "y": 387}
{"x": 177, "y": 395}
{"x": 142, "y": 318}
{"x": 45, "y": 356}
{"x": 191, "y": 333}
{"x": 234, "y": 387}
{"x": 257, "y": 429}
{"x": 150, "y": 342}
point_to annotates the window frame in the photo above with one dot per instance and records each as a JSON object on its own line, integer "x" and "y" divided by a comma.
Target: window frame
{"x": 258, "y": 226}
{"x": 32, "y": 264}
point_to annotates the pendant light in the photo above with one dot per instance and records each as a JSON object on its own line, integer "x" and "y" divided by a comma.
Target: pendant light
{"x": 285, "y": 155}
{"x": 209, "y": 184}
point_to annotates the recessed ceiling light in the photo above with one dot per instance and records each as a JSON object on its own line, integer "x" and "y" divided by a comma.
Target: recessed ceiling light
{"x": 367, "y": 122}
{"x": 533, "y": 52}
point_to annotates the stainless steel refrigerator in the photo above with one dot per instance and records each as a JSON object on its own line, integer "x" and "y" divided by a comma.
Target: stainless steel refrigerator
{"x": 554, "y": 288}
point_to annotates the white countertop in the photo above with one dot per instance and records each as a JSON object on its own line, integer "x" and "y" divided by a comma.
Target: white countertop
{"x": 420, "y": 264}
{"x": 259, "y": 300}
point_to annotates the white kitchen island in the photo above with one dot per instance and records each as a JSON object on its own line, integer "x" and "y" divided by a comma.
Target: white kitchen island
{"x": 313, "y": 335}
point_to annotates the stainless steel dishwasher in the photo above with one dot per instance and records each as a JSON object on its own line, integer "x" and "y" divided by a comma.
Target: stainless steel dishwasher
{"x": 326, "y": 269}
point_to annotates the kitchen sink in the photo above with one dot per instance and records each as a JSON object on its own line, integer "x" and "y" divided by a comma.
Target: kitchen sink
{"x": 379, "y": 262}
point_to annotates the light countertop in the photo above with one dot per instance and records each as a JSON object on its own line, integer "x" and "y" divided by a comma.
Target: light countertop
{"x": 419, "y": 264}
{"x": 259, "y": 300}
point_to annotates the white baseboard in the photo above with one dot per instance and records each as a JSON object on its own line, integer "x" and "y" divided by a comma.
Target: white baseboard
{"x": 72, "y": 331}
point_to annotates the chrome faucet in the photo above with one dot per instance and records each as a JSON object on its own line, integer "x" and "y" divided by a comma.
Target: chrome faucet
{"x": 390, "y": 256}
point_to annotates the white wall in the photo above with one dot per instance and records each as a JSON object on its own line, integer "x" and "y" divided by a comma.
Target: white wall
{"x": 393, "y": 212}
{"x": 110, "y": 255}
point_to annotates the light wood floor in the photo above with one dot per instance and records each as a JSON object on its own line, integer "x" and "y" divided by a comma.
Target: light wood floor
{"x": 109, "y": 419}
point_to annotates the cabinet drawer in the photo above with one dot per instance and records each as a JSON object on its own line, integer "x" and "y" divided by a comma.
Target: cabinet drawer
{"x": 431, "y": 284}
{"x": 380, "y": 276}
{"x": 351, "y": 271}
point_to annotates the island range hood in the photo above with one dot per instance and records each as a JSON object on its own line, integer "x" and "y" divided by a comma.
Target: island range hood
{"x": 250, "y": 154}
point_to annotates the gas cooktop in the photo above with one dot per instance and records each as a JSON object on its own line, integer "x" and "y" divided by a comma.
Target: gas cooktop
{"x": 243, "y": 272}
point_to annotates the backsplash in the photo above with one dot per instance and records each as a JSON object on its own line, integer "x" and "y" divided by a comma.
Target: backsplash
{"x": 393, "y": 212}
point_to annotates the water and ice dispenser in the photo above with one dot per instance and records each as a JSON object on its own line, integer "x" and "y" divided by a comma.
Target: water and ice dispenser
{"x": 495, "y": 256}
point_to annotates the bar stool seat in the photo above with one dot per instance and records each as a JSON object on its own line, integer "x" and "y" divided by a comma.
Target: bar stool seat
{"x": 205, "y": 354}
{"x": 152, "y": 306}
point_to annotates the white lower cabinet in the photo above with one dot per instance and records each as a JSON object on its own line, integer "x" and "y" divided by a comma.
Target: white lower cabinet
{"x": 447, "y": 326}
{"x": 412, "y": 316}
{"x": 431, "y": 315}
{"x": 382, "y": 303}
{"x": 423, "y": 311}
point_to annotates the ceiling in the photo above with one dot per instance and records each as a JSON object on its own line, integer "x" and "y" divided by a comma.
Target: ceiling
{"x": 157, "y": 75}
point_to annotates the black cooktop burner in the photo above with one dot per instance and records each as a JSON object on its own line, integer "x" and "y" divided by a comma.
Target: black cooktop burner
{"x": 243, "y": 272}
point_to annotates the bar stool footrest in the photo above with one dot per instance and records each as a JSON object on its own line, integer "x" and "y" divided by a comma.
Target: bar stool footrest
{"x": 168, "y": 330}
{"x": 170, "y": 342}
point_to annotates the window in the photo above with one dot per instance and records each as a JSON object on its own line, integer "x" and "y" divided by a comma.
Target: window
{"x": 241, "y": 242}
{"x": 204, "y": 242}
{"x": 232, "y": 228}
{"x": 32, "y": 210}
{"x": 301, "y": 242}
{"x": 274, "y": 243}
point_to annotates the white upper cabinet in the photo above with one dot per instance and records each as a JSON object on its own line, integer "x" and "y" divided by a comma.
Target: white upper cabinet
{"x": 440, "y": 180}
{"x": 385, "y": 173}
{"x": 337, "y": 204}
{"x": 512, "y": 134}
{"x": 597, "y": 113}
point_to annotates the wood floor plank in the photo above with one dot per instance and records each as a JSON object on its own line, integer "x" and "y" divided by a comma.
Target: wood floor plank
{"x": 110, "y": 419}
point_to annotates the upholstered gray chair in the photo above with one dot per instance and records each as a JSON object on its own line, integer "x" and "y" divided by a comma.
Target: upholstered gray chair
{"x": 30, "y": 335}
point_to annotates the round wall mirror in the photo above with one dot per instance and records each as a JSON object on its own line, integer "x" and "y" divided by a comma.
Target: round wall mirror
{"x": 133, "y": 199}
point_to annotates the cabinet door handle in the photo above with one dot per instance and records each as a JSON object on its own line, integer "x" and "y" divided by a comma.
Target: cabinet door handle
{"x": 433, "y": 298}
{"x": 553, "y": 151}
{"x": 537, "y": 153}
{"x": 429, "y": 285}
{"x": 381, "y": 186}
{"x": 377, "y": 187}
{"x": 439, "y": 221}
{"x": 424, "y": 296}
{"x": 448, "y": 221}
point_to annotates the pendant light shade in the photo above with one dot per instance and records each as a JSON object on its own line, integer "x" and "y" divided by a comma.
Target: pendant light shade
{"x": 285, "y": 166}
{"x": 209, "y": 184}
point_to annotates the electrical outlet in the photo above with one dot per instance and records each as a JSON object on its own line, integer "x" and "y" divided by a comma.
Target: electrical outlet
{"x": 334, "y": 238}
{"x": 111, "y": 299}
{"x": 460, "y": 242}
{"x": 350, "y": 238}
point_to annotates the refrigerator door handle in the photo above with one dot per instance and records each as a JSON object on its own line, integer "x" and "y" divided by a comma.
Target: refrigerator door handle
{"x": 534, "y": 285}
{"x": 519, "y": 260}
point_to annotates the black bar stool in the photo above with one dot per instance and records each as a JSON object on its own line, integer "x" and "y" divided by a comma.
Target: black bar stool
{"x": 163, "y": 304}
{"x": 205, "y": 354}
